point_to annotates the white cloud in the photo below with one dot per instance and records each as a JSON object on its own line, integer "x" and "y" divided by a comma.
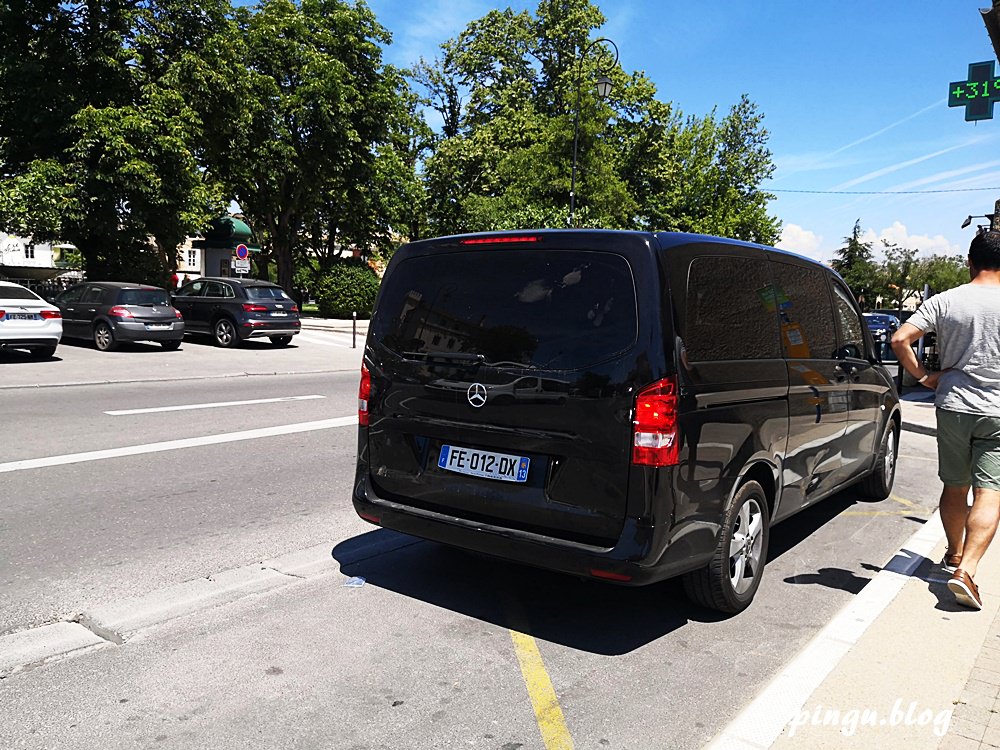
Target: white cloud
{"x": 798, "y": 240}
{"x": 898, "y": 234}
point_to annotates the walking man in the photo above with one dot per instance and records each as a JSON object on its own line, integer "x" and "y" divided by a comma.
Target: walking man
{"x": 967, "y": 322}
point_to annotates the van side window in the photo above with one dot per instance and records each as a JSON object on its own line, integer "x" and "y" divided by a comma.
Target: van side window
{"x": 727, "y": 317}
{"x": 852, "y": 341}
{"x": 802, "y": 296}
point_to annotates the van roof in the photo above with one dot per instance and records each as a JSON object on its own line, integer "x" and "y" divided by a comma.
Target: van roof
{"x": 664, "y": 239}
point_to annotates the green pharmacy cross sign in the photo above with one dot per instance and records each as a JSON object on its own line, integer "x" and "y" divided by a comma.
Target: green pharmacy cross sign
{"x": 978, "y": 93}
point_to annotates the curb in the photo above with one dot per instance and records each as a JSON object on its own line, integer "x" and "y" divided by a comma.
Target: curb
{"x": 113, "y": 623}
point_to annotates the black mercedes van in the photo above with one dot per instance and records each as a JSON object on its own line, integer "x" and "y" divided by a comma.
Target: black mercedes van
{"x": 619, "y": 405}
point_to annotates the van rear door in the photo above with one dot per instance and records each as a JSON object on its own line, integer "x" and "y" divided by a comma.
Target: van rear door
{"x": 503, "y": 375}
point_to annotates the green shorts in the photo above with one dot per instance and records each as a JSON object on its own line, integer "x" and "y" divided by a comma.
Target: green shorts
{"x": 968, "y": 449}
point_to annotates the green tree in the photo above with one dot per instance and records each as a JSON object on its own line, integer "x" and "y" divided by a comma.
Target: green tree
{"x": 509, "y": 90}
{"x": 323, "y": 107}
{"x": 944, "y": 272}
{"x": 855, "y": 262}
{"x": 122, "y": 161}
{"x": 900, "y": 273}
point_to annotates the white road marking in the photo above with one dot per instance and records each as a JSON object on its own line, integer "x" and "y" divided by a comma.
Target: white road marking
{"x": 312, "y": 338}
{"x": 169, "y": 445}
{"x": 186, "y": 407}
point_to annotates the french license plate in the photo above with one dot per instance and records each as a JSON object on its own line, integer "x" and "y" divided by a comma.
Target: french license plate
{"x": 20, "y": 316}
{"x": 278, "y": 314}
{"x": 158, "y": 326}
{"x": 502, "y": 466}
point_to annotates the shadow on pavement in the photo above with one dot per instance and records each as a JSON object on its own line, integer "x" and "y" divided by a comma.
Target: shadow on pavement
{"x": 21, "y": 357}
{"x": 582, "y": 614}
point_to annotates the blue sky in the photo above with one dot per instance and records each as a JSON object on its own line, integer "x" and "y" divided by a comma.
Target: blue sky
{"x": 854, "y": 94}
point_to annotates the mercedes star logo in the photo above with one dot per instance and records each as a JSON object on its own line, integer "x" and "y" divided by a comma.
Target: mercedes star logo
{"x": 477, "y": 394}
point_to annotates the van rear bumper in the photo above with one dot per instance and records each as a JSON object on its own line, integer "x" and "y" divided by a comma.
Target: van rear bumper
{"x": 636, "y": 559}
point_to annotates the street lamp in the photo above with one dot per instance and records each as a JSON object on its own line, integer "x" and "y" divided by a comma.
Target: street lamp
{"x": 603, "y": 84}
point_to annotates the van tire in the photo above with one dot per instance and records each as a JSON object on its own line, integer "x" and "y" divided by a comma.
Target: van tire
{"x": 713, "y": 586}
{"x": 878, "y": 484}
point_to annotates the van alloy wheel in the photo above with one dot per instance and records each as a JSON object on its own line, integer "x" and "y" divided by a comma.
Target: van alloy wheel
{"x": 878, "y": 484}
{"x": 746, "y": 546}
{"x": 730, "y": 581}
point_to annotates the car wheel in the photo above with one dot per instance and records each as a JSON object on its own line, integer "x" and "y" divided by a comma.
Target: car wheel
{"x": 280, "y": 340}
{"x": 104, "y": 339}
{"x": 42, "y": 352}
{"x": 224, "y": 333}
{"x": 728, "y": 583}
{"x": 171, "y": 346}
{"x": 878, "y": 484}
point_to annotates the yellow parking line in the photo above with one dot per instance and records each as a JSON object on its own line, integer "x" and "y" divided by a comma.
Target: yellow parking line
{"x": 904, "y": 501}
{"x": 915, "y": 511}
{"x": 548, "y": 714}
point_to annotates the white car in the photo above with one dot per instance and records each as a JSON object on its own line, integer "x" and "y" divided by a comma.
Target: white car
{"x": 28, "y": 322}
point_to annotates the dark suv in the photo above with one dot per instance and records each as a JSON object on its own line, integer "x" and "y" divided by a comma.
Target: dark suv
{"x": 233, "y": 310}
{"x": 113, "y": 312}
{"x": 686, "y": 393}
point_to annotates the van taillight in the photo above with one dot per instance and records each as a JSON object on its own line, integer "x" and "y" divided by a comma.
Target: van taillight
{"x": 364, "y": 391}
{"x": 655, "y": 441}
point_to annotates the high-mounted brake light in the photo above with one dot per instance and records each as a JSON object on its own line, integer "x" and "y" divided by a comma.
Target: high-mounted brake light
{"x": 364, "y": 391}
{"x": 497, "y": 240}
{"x": 655, "y": 439}
{"x": 120, "y": 312}
{"x": 46, "y": 314}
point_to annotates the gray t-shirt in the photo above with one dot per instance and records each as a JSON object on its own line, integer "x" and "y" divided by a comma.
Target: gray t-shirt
{"x": 967, "y": 322}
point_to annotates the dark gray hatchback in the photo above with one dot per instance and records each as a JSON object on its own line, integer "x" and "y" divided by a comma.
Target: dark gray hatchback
{"x": 113, "y": 312}
{"x": 623, "y": 406}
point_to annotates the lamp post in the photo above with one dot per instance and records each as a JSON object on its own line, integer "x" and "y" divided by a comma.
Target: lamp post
{"x": 603, "y": 84}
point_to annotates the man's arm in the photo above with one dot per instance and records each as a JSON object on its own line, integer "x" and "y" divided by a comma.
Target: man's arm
{"x": 902, "y": 341}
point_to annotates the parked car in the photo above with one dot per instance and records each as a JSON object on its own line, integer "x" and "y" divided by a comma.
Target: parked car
{"x": 882, "y": 326}
{"x": 28, "y": 322}
{"x": 232, "y": 310}
{"x": 702, "y": 390}
{"x": 113, "y": 312}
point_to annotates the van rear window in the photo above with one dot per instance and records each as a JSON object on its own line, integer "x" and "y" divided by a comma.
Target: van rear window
{"x": 549, "y": 309}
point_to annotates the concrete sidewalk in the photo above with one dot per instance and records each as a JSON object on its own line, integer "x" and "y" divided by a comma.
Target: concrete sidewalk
{"x": 903, "y": 666}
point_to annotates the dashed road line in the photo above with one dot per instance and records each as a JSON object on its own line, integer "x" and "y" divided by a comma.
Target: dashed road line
{"x": 169, "y": 445}
{"x": 213, "y": 405}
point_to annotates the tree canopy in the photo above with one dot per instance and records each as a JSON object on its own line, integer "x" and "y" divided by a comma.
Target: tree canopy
{"x": 126, "y": 126}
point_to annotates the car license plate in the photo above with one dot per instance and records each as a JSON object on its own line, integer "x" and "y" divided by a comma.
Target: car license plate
{"x": 278, "y": 314}
{"x": 20, "y": 316}
{"x": 159, "y": 326}
{"x": 502, "y": 466}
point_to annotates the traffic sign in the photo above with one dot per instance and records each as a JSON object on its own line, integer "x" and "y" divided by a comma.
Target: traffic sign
{"x": 240, "y": 265}
{"x": 242, "y": 252}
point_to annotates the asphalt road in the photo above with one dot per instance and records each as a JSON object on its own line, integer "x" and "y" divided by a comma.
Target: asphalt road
{"x": 421, "y": 655}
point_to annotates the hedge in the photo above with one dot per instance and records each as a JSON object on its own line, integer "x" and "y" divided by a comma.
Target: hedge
{"x": 349, "y": 286}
